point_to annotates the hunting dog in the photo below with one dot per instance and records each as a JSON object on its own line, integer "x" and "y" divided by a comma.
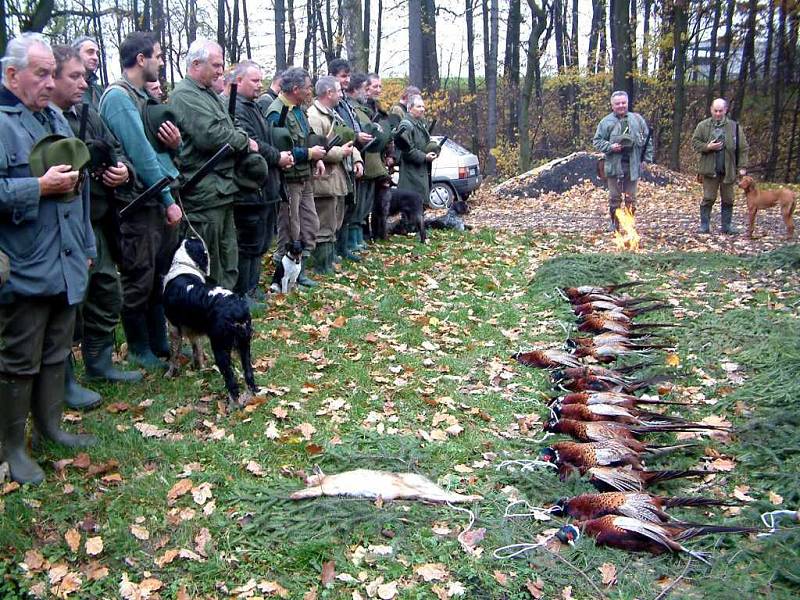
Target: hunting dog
{"x": 784, "y": 198}
{"x": 454, "y": 219}
{"x": 288, "y": 270}
{"x": 195, "y": 309}
{"x": 392, "y": 201}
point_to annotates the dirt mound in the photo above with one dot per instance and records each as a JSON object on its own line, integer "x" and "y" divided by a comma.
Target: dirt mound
{"x": 563, "y": 174}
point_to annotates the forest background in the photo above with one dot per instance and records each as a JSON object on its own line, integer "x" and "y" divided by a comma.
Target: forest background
{"x": 518, "y": 82}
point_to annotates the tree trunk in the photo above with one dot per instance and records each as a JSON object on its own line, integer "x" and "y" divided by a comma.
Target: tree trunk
{"x": 511, "y": 68}
{"x": 491, "y": 88}
{"x": 353, "y": 34}
{"x": 246, "y": 20}
{"x": 532, "y": 82}
{"x": 696, "y": 48}
{"x": 3, "y": 28}
{"x": 621, "y": 49}
{"x": 768, "y": 45}
{"x": 292, "y": 32}
{"x": 365, "y": 33}
{"x": 168, "y": 52}
{"x": 310, "y": 33}
{"x": 191, "y": 28}
{"x": 221, "y": 25}
{"x": 679, "y": 37}
{"x": 39, "y": 18}
{"x": 602, "y": 50}
{"x": 558, "y": 25}
{"x": 430, "y": 64}
{"x": 782, "y": 75}
{"x": 634, "y": 18}
{"x": 415, "y": 46}
{"x": 378, "y": 34}
{"x": 233, "y": 39}
{"x": 98, "y": 34}
{"x": 648, "y": 5}
{"x": 726, "y": 48}
{"x": 712, "y": 52}
{"x": 280, "y": 35}
{"x": 594, "y": 34}
{"x": 471, "y": 83}
{"x": 748, "y": 54}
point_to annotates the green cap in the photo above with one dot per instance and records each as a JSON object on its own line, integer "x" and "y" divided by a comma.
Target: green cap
{"x": 344, "y": 132}
{"x": 54, "y": 150}
{"x": 154, "y": 115}
{"x": 433, "y": 147}
{"x": 251, "y": 172}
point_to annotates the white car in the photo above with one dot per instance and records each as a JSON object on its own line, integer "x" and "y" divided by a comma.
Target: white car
{"x": 455, "y": 174}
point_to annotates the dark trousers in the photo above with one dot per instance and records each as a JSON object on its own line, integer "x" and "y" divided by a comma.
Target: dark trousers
{"x": 216, "y": 227}
{"x": 147, "y": 245}
{"x": 255, "y": 230}
{"x": 35, "y": 331}
{"x": 103, "y": 303}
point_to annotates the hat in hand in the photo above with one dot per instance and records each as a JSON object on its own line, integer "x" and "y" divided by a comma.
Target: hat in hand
{"x": 251, "y": 172}
{"x": 154, "y": 115}
{"x": 54, "y": 150}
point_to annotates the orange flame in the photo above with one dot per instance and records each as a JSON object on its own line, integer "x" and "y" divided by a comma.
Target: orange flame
{"x": 626, "y": 237}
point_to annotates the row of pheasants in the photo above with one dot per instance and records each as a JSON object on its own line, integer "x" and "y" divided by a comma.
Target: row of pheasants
{"x": 607, "y": 422}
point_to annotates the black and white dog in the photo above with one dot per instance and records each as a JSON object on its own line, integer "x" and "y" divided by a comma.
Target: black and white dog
{"x": 453, "y": 219}
{"x": 195, "y": 309}
{"x": 392, "y": 201}
{"x": 288, "y": 270}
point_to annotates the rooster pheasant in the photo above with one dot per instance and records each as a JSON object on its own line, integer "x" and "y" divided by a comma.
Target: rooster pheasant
{"x": 637, "y": 505}
{"x": 627, "y": 479}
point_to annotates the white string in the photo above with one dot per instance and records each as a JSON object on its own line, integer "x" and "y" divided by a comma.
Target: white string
{"x": 543, "y": 438}
{"x": 539, "y": 513}
{"x": 773, "y": 518}
{"x": 561, "y": 293}
{"x": 468, "y": 527}
{"x": 503, "y": 553}
{"x": 526, "y": 464}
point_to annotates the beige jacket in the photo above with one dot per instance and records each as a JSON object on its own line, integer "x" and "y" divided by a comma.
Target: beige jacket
{"x": 338, "y": 168}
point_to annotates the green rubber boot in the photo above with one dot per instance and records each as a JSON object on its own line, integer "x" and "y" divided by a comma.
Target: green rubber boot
{"x": 15, "y": 405}
{"x": 76, "y": 396}
{"x": 47, "y": 403}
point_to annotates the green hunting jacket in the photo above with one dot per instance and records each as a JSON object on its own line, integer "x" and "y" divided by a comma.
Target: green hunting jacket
{"x": 374, "y": 167}
{"x": 415, "y": 173}
{"x": 609, "y": 131}
{"x": 703, "y": 134}
{"x": 297, "y": 124}
{"x": 205, "y": 127}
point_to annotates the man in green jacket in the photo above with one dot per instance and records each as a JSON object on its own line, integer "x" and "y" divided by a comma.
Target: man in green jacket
{"x": 205, "y": 127}
{"x": 103, "y": 302}
{"x": 624, "y": 138}
{"x": 297, "y": 218}
{"x": 89, "y": 52}
{"x": 722, "y": 147}
{"x": 416, "y": 153}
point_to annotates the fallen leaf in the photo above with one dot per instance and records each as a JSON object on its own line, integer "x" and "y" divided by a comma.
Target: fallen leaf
{"x": 255, "y": 468}
{"x": 34, "y": 560}
{"x": 500, "y": 578}
{"x": 139, "y": 532}
{"x": 776, "y": 499}
{"x": 431, "y": 572}
{"x": 179, "y": 489}
{"x": 723, "y": 464}
{"x": 56, "y": 573}
{"x": 328, "y": 572}
{"x": 201, "y": 541}
{"x": 566, "y": 593}
{"x": 69, "y": 584}
{"x": 95, "y": 571}
{"x": 73, "y": 538}
{"x": 387, "y": 591}
{"x": 306, "y": 430}
{"x": 167, "y": 557}
{"x": 94, "y": 545}
{"x": 202, "y": 493}
{"x": 609, "y": 572}
{"x": 535, "y": 588}
{"x": 740, "y": 493}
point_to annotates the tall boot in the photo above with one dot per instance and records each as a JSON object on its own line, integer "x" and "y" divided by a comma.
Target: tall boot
{"x": 726, "y": 216}
{"x": 343, "y": 245}
{"x": 75, "y": 395}
{"x": 361, "y": 243}
{"x": 139, "y": 352}
{"x": 47, "y": 404}
{"x": 705, "y": 216}
{"x": 322, "y": 261}
{"x": 243, "y": 282}
{"x": 255, "y": 289}
{"x": 157, "y": 330}
{"x": 15, "y": 405}
{"x": 97, "y": 351}
{"x": 303, "y": 278}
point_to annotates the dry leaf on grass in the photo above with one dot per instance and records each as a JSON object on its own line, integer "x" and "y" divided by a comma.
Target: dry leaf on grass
{"x": 328, "y": 572}
{"x": 139, "y": 532}
{"x": 609, "y": 572}
{"x": 776, "y": 499}
{"x": 69, "y": 584}
{"x": 34, "y": 561}
{"x": 535, "y": 588}
{"x": 73, "y": 539}
{"x": 201, "y": 541}
{"x": 431, "y": 572}
{"x": 179, "y": 489}
{"x": 94, "y": 545}
{"x": 500, "y": 578}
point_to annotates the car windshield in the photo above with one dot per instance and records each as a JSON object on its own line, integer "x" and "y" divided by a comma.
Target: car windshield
{"x": 452, "y": 146}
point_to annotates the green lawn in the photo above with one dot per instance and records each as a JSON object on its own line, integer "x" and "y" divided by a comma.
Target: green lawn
{"x": 402, "y": 363}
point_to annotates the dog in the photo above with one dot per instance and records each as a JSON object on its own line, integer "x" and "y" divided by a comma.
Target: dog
{"x": 284, "y": 280}
{"x": 195, "y": 309}
{"x": 453, "y": 219}
{"x": 786, "y": 199}
{"x": 392, "y": 201}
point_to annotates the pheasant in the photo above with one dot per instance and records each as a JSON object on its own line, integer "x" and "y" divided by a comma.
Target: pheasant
{"x": 637, "y": 505}
{"x": 576, "y": 292}
{"x": 610, "y": 352}
{"x": 617, "y": 398}
{"x": 600, "y": 383}
{"x": 594, "y": 323}
{"x": 627, "y": 479}
{"x": 598, "y": 431}
{"x": 609, "y": 339}
{"x": 618, "y": 374}
{"x": 611, "y": 412}
{"x": 611, "y": 309}
{"x": 621, "y": 301}
{"x": 569, "y": 456}
{"x": 546, "y": 359}
{"x": 634, "y": 535}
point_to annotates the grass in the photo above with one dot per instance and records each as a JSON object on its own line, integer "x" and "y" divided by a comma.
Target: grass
{"x": 412, "y": 336}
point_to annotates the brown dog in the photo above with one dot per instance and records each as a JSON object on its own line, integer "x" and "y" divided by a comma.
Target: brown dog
{"x": 756, "y": 200}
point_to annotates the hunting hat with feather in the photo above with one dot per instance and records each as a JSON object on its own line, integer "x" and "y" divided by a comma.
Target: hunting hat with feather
{"x": 54, "y": 150}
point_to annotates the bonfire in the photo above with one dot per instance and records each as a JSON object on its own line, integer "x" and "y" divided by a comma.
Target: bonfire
{"x": 626, "y": 237}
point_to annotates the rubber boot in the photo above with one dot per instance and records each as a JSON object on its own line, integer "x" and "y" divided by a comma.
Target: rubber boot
{"x": 705, "y": 217}
{"x": 344, "y": 246}
{"x": 136, "y": 332}
{"x": 360, "y": 243}
{"x": 303, "y": 278}
{"x": 76, "y": 396}
{"x": 157, "y": 330}
{"x": 322, "y": 261}
{"x": 15, "y": 405}
{"x": 97, "y": 351}
{"x": 350, "y": 245}
{"x": 243, "y": 281}
{"x": 331, "y": 257}
{"x": 255, "y": 280}
{"x": 726, "y": 216}
{"x": 47, "y": 406}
